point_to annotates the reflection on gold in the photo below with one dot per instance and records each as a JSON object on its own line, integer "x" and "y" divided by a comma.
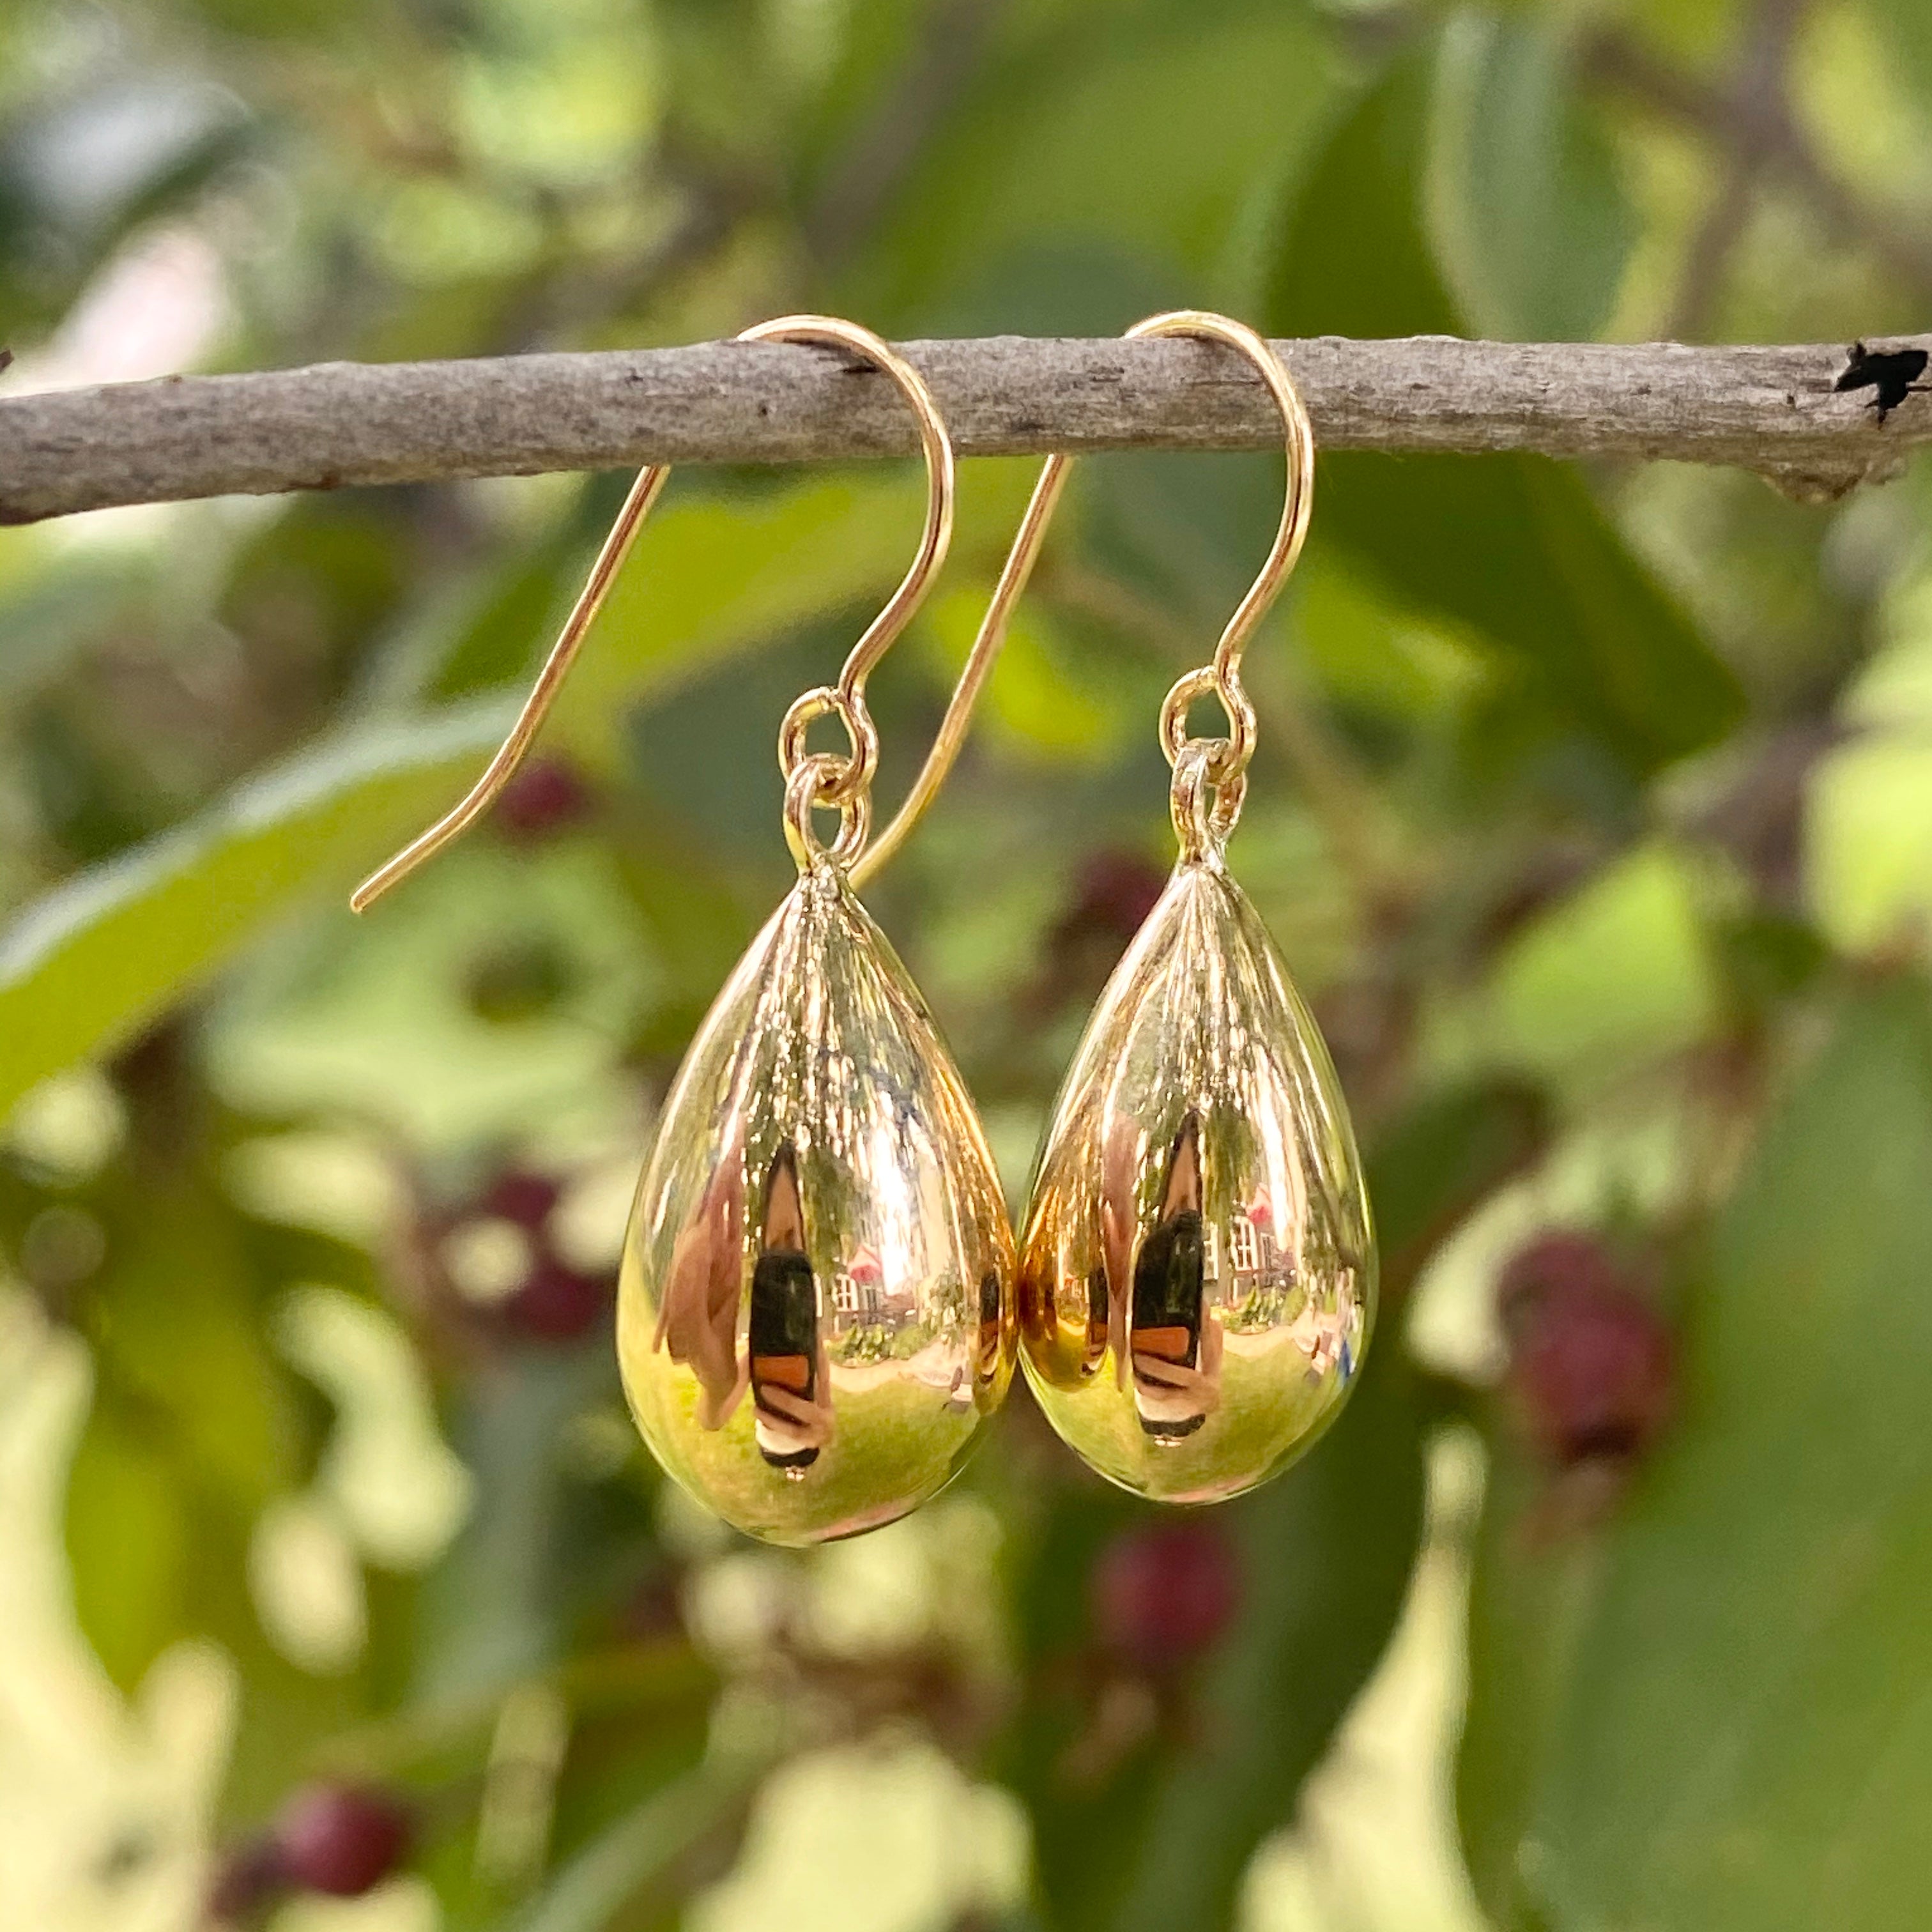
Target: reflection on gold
{"x": 1197, "y": 1272}
{"x": 865, "y": 1299}
{"x": 993, "y": 1345}
{"x": 698, "y": 1319}
{"x": 791, "y": 1380}
{"x": 1176, "y": 1367}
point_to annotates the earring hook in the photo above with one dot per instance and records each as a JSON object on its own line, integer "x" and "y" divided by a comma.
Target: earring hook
{"x": 1225, "y": 760}
{"x": 820, "y": 778}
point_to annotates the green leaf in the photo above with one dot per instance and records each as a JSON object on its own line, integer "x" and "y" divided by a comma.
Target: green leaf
{"x": 1528, "y": 1597}
{"x": 697, "y": 930}
{"x": 86, "y": 966}
{"x": 1868, "y": 837}
{"x": 1621, "y": 973}
{"x": 493, "y": 1610}
{"x": 1041, "y": 701}
{"x": 62, "y": 611}
{"x": 1437, "y": 1162}
{"x": 1329, "y": 1550}
{"x": 1716, "y": 1717}
{"x": 486, "y": 637}
{"x": 191, "y": 1435}
{"x": 1512, "y": 549}
{"x": 181, "y": 1332}
{"x": 876, "y": 43}
{"x": 1907, "y": 27}
{"x": 493, "y": 990}
{"x": 1355, "y": 259}
{"x": 1050, "y": 145}
{"x": 641, "y": 1851}
{"x": 127, "y": 1537}
{"x": 1524, "y": 197}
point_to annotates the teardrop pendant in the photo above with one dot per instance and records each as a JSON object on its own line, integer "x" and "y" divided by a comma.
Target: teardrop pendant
{"x": 815, "y": 1311}
{"x": 1197, "y": 1277}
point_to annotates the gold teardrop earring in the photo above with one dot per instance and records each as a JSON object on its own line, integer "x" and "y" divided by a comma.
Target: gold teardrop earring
{"x": 1197, "y": 1271}
{"x": 815, "y": 1312}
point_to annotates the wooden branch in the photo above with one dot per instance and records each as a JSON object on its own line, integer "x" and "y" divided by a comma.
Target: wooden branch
{"x": 1773, "y": 410}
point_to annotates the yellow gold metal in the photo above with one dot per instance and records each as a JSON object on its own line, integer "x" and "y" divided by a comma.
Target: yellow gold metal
{"x": 851, "y": 775}
{"x": 1197, "y": 1275}
{"x": 815, "y": 1314}
{"x": 815, "y": 1311}
{"x": 1197, "y": 1272}
{"x": 979, "y": 661}
{"x": 852, "y": 772}
{"x": 637, "y": 506}
{"x": 841, "y": 779}
{"x": 1222, "y": 676}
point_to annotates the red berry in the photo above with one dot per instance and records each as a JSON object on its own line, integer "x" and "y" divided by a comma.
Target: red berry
{"x": 654, "y": 1610}
{"x": 1163, "y": 1593}
{"x": 1116, "y": 892}
{"x": 546, "y": 795}
{"x": 339, "y": 1839}
{"x": 520, "y": 1196}
{"x": 246, "y": 1877}
{"x": 1564, "y": 1262}
{"x": 1591, "y": 1359}
{"x": 557, "y": 1304}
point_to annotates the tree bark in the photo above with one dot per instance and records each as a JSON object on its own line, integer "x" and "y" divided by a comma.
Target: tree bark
{"x": 1771, "y": 409}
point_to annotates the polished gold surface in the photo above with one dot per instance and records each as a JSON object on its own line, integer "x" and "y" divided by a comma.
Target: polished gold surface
{"x": 815, "y": 1310}
{"x": 815, "y": 1313}
{"x": 1197, "y": 1273}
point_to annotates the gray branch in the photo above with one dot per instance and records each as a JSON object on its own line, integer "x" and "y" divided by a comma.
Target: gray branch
{"x": 1773, "y": 410}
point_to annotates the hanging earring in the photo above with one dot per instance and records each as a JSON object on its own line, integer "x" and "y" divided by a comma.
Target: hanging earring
{"x": 1197, "y": 1272}
{"x": 815, "y": 1310}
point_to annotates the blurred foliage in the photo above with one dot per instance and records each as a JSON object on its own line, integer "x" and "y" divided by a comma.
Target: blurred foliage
{"x": 1594, "y": 810}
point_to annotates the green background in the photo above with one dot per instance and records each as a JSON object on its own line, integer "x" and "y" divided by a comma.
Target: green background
{"x": 1593, "y": 812}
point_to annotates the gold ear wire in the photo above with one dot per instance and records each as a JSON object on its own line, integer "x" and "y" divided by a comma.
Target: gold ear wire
{"x": 1221, "y": 765}
{"x": 1221, "y": 676}
{"x": 844, "y": 781}
{"x": 616, "y": 546}
{"x": 987, "y": 641}
{"x": 822, "y": 779}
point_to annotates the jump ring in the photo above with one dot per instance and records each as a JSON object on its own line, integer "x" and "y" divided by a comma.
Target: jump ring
{"x": 844, "y": 777}
{"x": 1238, "y": 747}
{"x": 1205, "y": 807}
{"x": 807, "y": 789}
